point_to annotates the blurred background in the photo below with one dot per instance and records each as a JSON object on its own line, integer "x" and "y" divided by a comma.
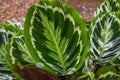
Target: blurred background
{"x": 17, "y": 9}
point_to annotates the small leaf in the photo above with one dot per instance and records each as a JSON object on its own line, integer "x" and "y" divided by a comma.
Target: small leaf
{"x": 108, "y": 73}
{"x": 87, "y": 75}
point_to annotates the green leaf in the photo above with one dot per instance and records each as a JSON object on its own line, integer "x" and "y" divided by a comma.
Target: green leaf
{"x": 16, "y": 50}
{"x": 13, "y": 38}
{"x": 87, "y": 75}
{"x": 105, "y": 37}
{"x": 108, "y": 6}
{"x": 3, "y": 40}
{"x": 108, "y": 73}
{"x": 56, "y": 37}
{"x": 7, "y": 31}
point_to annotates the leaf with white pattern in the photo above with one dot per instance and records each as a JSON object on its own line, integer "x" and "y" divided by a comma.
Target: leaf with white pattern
{"x": 108, "y": 6}
{"x": 56, "y": 36}
{"x": 105, "y": 37}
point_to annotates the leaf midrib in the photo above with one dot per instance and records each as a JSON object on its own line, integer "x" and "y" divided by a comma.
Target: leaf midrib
{"x": 55, "y": 42}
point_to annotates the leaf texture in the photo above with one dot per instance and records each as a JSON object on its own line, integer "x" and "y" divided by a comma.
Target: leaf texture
{"x": 108, "y": 6}
{"x": 105, "y": 41}
{"x": 54, "y": 37}
{"x": 7, "y": 30}
{"x": 108, "y": 73}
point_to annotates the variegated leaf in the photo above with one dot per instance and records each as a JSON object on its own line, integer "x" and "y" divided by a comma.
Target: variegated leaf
{"x": 87, "y": 75}
{"x": 109, "y": 76}
{"x": 7, "y": 30}
{"x": 3, "y": 40}
{"x": 105, "y": 37}
{"x": 108, "y": 6}
{"x": 56, "y": 36}
{"x": 108, "y": 73}
{"x": 16, "y": 50}
{"x": 105, "y": 73}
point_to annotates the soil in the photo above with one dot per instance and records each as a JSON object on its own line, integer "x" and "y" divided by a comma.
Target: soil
{"x": 17, "y": 9}
{"x": 85, "y": 7}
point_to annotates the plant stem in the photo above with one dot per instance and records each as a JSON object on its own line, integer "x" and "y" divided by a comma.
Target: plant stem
{"x": 97, "y": 66}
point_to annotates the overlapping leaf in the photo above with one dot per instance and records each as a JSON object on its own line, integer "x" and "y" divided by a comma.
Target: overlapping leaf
{"x": 3, "y": 40}
{"x": 16, "y": 50}
{"x": 105, "y": 73}
{"x": 55, "y": 37}
{"x": 7, "y": 30}
{"x": 108, "y": 73}
{"x": 108, "y": 6}
{"x": 105, "y": 37}
{"x": 86, "y": 75}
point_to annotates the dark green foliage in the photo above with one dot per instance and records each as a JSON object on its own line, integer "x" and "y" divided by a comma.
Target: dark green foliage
{"x": 55, "y": 38}
{"x": 56, "y": 44}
